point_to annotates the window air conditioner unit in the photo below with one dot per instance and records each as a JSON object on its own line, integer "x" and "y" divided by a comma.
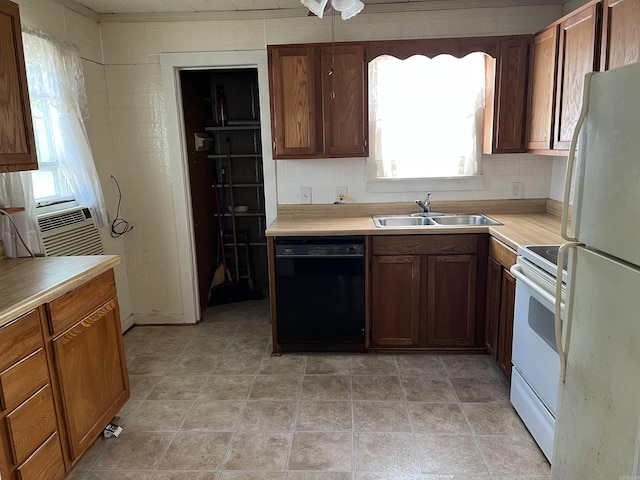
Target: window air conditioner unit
{"x": 69, "y": 232}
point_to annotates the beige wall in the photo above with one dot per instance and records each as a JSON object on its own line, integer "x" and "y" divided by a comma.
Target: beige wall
{"x": 60, "y": 22}
{"x": 137, "y": 115}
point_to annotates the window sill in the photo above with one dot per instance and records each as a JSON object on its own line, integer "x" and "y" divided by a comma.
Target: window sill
{"x": 54, "y": 207}
{"x": 435, "y": 184}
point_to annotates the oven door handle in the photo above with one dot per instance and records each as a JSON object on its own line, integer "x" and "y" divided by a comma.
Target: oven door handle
{"x": 516, "y": 271}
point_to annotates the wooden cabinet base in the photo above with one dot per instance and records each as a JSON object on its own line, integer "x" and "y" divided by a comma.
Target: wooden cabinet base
{"x": 427, "y": 292}
{"x": 63, "y": 377}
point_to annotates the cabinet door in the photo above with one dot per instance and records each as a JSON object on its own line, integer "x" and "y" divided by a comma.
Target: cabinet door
{"x": 395, "y": 300}
{"x": 577, "y": 55}
{"x": 451, "y": 300}
{"x": 505, "y": 328}
{"x": 92, "y": 372}
{"x": 17, "y": 144}
{"x": 293, "y": 101}
{"x": 504, "y": 119}
{"x": 621, "y": 33}
{"x": 494, "y": 283}
{"x": 343, "y": 100}
{"x": 542, "y": 78}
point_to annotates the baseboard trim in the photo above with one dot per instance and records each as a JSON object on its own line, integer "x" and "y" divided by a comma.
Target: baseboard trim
{"x": 159, "y": 320}
{"x": 127, "y": 323}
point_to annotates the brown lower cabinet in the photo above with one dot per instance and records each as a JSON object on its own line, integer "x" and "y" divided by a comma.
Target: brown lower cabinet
{"x": 501, "y": 295}
{"x": 427, "y": 291}
{"x": 63, "y": 377}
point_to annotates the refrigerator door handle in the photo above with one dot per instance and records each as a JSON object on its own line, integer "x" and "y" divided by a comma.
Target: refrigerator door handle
{"x": 561, "y": 346}
{"x": 572, "y": 157}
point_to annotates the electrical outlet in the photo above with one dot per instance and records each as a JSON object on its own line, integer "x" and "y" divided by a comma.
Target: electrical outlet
{"x": 305, "y": 195}
{"x": 516, "y": 190}
{"x": 341, "y": 194}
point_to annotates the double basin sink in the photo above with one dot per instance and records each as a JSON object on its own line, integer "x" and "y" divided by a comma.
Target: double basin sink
{"x": 432, "y": 220}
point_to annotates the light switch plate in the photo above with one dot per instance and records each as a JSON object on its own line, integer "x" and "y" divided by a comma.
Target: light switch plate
{"x": 305, "y": 195}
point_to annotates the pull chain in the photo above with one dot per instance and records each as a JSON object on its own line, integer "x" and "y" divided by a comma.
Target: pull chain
{"x": 333, "y": 45}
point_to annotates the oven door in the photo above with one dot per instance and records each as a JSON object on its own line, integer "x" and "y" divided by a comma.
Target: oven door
{"x": 536, "y": 373}
{"x": 534, "y": 342}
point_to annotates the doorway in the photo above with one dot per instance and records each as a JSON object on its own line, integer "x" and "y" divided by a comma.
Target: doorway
{"x": 223, "y": 143}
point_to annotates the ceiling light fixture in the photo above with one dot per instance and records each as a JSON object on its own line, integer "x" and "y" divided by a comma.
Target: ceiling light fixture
{"x": 347, "y": 8}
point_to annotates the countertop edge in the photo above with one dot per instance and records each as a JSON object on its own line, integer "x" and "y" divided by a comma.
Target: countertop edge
{"x": 515, "y": 229}
{"x": 77, "y": 278}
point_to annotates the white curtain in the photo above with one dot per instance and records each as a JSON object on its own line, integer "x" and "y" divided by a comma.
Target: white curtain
{"x": 425, "y": 115}
{"x": 16, "y": 190}
{"x": 57, "y": 93}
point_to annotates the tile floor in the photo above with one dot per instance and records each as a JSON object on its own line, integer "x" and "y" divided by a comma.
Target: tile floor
{"x": 208, "y": 402}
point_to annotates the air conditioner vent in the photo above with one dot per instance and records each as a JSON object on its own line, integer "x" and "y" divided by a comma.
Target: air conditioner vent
{"x": 70, "y": 232}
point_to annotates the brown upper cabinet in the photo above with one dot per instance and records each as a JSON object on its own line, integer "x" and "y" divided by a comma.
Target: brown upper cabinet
{"x": 505, "y": 97}
{"x": 17, "y": 144}
{"x": 541, "y": 97}
{"x": 315, "y": 114}
{"x": 578, "y": 53}
{"x": 599, "y": 36}
{"x": 620, "y": 33}
{"x": 561, "y": 56}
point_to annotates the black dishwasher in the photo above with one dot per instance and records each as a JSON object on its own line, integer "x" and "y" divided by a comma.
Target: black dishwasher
{"x": 320, "y": 293}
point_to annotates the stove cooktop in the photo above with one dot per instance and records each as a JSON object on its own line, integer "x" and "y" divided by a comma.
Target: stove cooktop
{"x": 545, "y": 257}
{"x": 548, "y": 252}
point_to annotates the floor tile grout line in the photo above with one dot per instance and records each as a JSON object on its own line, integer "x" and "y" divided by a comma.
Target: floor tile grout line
{"x": 353, "y": 418}
{"x": 365, "y": 372}
{"x": 295, "y": 420}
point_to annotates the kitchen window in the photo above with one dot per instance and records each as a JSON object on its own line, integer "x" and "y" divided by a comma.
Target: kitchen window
{"x": 426, "y": 117}
{"x": 59, "y": 107}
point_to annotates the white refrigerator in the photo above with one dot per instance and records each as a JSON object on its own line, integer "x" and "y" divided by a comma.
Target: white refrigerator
{"x": 597, "y": 430}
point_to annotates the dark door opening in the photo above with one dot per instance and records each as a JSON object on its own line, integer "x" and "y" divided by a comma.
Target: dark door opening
{"x": 224, "y": 150}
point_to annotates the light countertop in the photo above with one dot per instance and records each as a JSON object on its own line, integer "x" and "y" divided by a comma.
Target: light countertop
{"x": 26, "y": 283}
{"x": 517, "y": 229}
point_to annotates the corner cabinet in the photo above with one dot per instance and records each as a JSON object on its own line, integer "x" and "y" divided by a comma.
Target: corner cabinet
{"x": 427, "y": 291}
{"x": 17, "y": 143}
{"x": 501, "y": 295}
{"x": 315, "y": 114}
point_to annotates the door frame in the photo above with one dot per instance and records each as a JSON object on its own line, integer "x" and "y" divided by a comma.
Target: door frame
{"x": 171, "y": 64}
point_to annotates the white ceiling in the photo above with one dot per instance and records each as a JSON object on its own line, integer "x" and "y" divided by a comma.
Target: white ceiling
{"x": 228, "y": 6}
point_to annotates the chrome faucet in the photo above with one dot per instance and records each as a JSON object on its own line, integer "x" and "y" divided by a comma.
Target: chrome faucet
{"x": 426, "y": 205}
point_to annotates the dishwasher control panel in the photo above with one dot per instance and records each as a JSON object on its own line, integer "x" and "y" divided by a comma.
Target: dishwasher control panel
{"x": 319, "y": 247}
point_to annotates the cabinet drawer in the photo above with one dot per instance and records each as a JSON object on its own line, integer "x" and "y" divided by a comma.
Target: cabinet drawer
{"x": 45, "y": 464}
{"x": 69, "y": 309}
{"x": 19, "y": 338}
{"x": 23, "y": 379}
{"x": 31, "y": 423}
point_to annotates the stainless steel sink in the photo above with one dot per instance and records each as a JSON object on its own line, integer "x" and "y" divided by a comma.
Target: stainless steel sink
{"x": 399, "y": 221}
{"x": 454, "y": 220}
{"x": 410, "y": 221}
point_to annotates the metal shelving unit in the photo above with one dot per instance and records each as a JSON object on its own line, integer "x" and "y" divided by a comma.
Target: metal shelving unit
{"x": 243, "y": 173}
